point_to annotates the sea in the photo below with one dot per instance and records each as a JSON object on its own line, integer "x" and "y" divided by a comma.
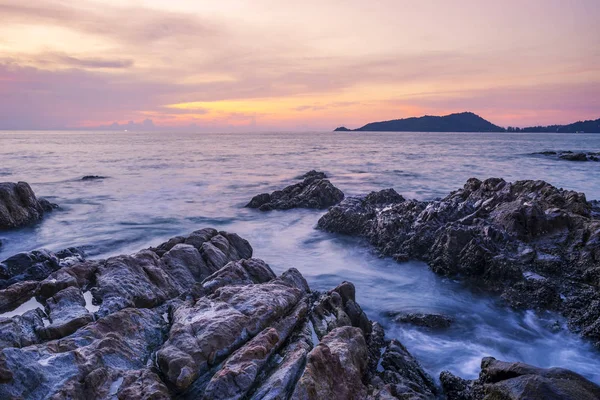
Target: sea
{"x": 162, "y": 184}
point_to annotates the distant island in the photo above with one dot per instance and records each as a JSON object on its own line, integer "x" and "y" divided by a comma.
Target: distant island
{"x": 465, "y": 122}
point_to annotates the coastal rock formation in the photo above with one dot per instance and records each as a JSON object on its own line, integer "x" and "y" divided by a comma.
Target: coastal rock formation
{"x": 571, "y": 156}
{"x": 536, "y": 245}
{"x": 195, "y": 318}
{"x": 505, "y": 380}
{"x": 19, "y": 206}
{"x": 315, "y": 191}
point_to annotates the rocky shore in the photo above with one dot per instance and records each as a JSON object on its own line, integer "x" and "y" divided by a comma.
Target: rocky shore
{"x": 19, "y": 206}
{"x": 315, "y": 191}
{"x": 534, "y": 244}
{"x": 196, "y": 317}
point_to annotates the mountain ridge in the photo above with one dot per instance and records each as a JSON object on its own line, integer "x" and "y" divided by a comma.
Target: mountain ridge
{"x": 465, "y": 122}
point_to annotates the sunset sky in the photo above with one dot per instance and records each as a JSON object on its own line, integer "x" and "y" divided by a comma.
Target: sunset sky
{"x": 296, "y": 65}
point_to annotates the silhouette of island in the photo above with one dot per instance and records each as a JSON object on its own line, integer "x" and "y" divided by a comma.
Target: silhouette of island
{"x": 465, "y": 122}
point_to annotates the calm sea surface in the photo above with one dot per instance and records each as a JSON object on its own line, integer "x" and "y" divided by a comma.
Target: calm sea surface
{"x": 164, "y": 184}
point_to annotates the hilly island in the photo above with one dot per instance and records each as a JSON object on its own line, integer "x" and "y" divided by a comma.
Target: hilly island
{"x": 466, "y": 122}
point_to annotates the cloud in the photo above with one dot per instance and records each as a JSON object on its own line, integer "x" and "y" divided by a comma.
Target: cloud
{"x": 517, "y": 105}
{"x": 129, "y": 62}
{"x": 135, "y": 25}
{"x": 92, "y": 62}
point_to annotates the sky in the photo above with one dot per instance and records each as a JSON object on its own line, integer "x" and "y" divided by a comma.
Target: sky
{"x": 295, "y": 65}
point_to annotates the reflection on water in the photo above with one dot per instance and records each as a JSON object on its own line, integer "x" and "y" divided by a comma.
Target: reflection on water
{"x": 162, "y": 185}
{"x": 30, "y": 304}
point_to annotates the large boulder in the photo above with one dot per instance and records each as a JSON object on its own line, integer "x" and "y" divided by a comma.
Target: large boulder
{"x": 315, "y": 191}
{"x": 518, "y": 381}
{"x": 536, "y": 245}
{"x": 19, "y": 206}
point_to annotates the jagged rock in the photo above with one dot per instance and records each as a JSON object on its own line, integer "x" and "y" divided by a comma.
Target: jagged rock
{"x": 314, "y": 175}
{"x": 243, "y": 272}
{"x": 213, "y": 327}
{"x": 165, "y": 330}
{"x": 570, "y": 155}
{"x": 146, "y": 279}
{"x": 36, "y": 265}
{"x": 403, "y": 375}
{"x": 573, "y": 156}
{"x": 17, "y": 294}
{"x": 335, "y": 367}
{"x": 67, "y": 313}
{"x": 519, "y": 381}
{"x": 239, "y": 372}
{"x": 85, "y": 364}
{"x": 315, "y": 191}
{"x": 21, "y": 330}
{"x": 286, "y": 367}
{"x": 19, "y": 206}
{"x": 432, "y": 321}
{"x": 92, "y": 177}
{"x": 534, "y": 244}
{"x": 338, "y": 308}
{"x": 142, "y": 384}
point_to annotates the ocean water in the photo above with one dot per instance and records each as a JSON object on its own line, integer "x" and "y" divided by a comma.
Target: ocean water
{"x": 160, "y": 185}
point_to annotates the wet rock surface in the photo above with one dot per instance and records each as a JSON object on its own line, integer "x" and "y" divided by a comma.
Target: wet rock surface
{"x": 19, "y": 206}
{"x": 571, "y": 155}
{"x": 315, "y": 191}
{"x": 195, "y": 318}
{"x": 534, "y": 244}
{"x": 431, "y": 321}
{"x": 506, "y": 380}
{"x": 36, "y": 265}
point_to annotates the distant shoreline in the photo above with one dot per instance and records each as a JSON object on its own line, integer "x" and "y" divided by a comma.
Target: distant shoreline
{"x": 467, "y": 122}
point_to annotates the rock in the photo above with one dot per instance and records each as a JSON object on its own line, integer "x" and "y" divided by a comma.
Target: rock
{"x": 456, "y": 388}
{"x": 432, "y": 321}
{"x": 403, "y": 375}
{"x": 142, "y": 384}
{"x": 36, "y": 265}
{"x": 92, "y": 177}
{"x": 22, "y": 330}
{"x": 535, "y": 245}
{"x": 313, "y": 174}
{"x": 67, "y": 313}
{"x": 506, "y": 380}
{"x": 205, "y": 332}
{"x": 243, "y": 272}
{"x": 570, "y": 155}
{"x": 355, "y": 214}
{"x": 334, "y": 368}
{"x": 17, "y": 294}
{"x": 573, "y": 156}
{"x": 146, "y": 279}
{"x": 85, "y": 364}
{"x": 238, "y": 374}
{"x": 19, "y": 206}
{"x": 172, "y": 323}
{"x": 315, "y": 191}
